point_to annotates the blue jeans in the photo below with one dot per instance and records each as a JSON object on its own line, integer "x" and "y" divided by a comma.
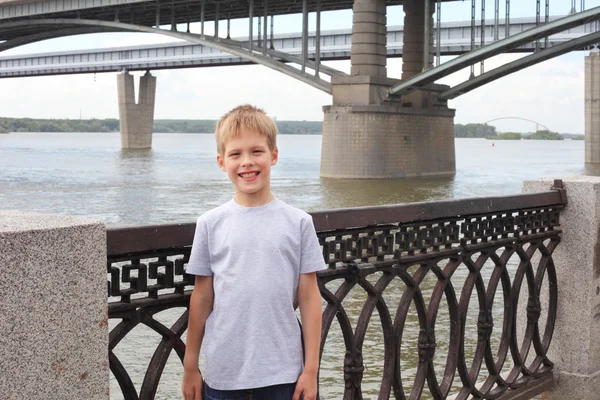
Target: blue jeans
{"x": 276, "y": 392}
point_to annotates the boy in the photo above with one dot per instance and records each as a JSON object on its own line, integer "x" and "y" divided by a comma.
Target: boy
{"x": 252, "y": 256}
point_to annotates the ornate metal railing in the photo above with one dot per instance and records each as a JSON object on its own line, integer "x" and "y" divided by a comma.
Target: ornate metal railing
{"x": 488, "y": 259}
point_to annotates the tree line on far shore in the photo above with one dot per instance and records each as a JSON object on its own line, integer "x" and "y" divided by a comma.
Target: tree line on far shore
{"x": 160, "y": 126}
{"x": 208, "y": 126}
{"x": 489, "y": 132}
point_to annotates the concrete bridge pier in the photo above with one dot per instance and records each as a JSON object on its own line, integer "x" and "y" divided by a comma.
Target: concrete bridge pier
{"x": 368, "y": 135}
{"x": 592, "y": 107}
{"x": 137, "y": 119}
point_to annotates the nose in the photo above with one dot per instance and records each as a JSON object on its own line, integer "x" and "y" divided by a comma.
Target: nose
{"x": 246, "y": 160}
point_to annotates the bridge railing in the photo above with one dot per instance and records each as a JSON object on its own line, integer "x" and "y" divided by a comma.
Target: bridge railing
{"x": 423, "y": 300}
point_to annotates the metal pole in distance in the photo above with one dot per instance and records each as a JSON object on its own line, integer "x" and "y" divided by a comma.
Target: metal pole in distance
{"x": 507, "y": 20}
{"x": 173, "y": 24}
{"x": 228, "y": 28}
{"x": 438, "y": 33}
{"x": 538, "y": 10}
{"x": 497, "y": 20}
{"x": 157, "y": 15}
{"x": 547, "y": 20}
{"x": 259, "y": 34}
{"x": 217, "y": 20}
{"x": 482, "y": 70}
{"x": 202, "y": 15}
{"x": 318, "y": 40}
{"x": 426, "y": 34}
{"x": 272, "y": 30}
{"x": 472, "y": 35}
{"x": 251, "y": 26}
{"x": 304, "y": 34}
{"x": 266, "y": 26}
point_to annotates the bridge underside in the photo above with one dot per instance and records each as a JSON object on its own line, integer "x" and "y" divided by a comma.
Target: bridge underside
{"x": 164, "y": 12}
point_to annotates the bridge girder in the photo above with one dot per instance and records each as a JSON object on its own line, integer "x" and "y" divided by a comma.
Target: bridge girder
{"x": 68, "y": 27}
{"x": 151, "y": 12}
{"x": 38, "y": 37}
{"x": 430, "y": 76}
{"x": 275, "y": 59}
{"x": 520, "y": 64}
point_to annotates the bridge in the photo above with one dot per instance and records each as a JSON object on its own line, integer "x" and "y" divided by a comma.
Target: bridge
{"x": 376, "y": 127}
{"x": 335, "y": 45}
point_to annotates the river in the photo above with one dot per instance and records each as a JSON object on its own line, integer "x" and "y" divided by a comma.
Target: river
{"x": 88, "y": 174}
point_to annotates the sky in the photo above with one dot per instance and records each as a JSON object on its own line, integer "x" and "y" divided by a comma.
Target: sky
{"x": 550, "y": 93}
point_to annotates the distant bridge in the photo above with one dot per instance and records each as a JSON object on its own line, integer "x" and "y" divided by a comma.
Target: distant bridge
{"x": 335, "y": 45}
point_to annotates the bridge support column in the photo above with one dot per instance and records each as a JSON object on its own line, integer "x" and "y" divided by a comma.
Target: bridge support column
{"x": 136, "y": 119}
{"x": 368, "y": 135}
{"x": 413, "y": 48}
{"x": 592, "y": 108}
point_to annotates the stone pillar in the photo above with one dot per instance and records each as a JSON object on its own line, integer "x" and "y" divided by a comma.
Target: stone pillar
{"x": 575, "y": 346}
{"x": 413, "y": 52}
{"x": 414, "y": 37}
{"x": 592, "y": 107}
{"x": 367, "y": 134}
{"x": 53, "y": 307}
{"x": 136, "y": 119}
{"x": 369, "y": 55}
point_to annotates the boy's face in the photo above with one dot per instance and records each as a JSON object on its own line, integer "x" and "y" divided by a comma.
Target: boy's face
{"x": 247, "y": 160}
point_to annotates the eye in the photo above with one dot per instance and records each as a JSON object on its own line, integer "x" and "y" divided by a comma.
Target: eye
{"x": 234, "y": 154}
{"x": 258, "y": 151}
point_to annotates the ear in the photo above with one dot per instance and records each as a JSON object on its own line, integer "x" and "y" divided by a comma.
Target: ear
{"x": 274, "y": 156}
{"x": 221, "y": 162}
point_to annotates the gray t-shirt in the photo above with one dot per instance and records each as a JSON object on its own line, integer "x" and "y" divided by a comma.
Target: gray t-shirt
{"x": 255, "y": 255}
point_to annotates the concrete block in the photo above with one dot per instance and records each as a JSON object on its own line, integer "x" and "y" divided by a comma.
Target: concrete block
{"x": 371, "y": 53}
{"x": 375, "y": 18}
{"x": 386, "y": 142}
{"x": 53, "y": 307}
{"x": 372, "y": 39}
{"x": 369, "y": 6}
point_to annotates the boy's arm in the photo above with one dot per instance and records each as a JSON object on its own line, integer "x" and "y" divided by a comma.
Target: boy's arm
{"x": 309, "y": 301}
{"x": 201, "y": 304}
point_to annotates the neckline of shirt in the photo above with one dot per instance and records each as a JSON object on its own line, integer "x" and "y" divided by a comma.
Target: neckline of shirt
{"x": 254, "y": 210}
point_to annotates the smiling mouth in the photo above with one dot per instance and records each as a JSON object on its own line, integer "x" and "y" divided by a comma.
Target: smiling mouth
{"x": 249, "y": 175}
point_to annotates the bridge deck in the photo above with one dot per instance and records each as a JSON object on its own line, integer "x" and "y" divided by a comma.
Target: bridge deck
{"x": 144, "y": 12}
{"x": 335, "y": 45}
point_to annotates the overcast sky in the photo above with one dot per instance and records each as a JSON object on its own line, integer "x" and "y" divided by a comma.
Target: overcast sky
{"x": 550, "y": 93}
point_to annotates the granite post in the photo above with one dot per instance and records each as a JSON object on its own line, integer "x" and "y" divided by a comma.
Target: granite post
{"x": 592, "y": 107}
{"x": 53, "y": 307}
{"x": 575, "y": 346}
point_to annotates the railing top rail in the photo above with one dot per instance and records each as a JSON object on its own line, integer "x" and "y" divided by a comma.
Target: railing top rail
{"x": 123, "y": 240}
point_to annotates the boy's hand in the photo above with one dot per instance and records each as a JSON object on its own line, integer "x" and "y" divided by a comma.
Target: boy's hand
{"x": 306, "y": 386}
{"x": 192, "y": 385}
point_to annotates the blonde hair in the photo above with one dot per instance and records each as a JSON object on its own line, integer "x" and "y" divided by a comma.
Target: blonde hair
{"x": 245, "y": 118}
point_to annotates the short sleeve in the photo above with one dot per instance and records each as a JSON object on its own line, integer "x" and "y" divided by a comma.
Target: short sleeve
{"x": 311, "y": 258}
{"x": 199, "y": 263}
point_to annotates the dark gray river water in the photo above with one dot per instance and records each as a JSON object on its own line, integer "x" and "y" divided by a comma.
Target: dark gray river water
{"x": 88, "y": 174}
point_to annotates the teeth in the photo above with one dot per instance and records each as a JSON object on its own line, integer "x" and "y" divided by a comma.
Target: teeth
{"x": 249, "y": 175}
